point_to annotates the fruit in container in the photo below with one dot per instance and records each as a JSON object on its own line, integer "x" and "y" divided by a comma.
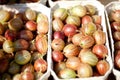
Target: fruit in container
{"x": 75, "y": 20}
{"x": 115, "y": 26}
{"x": 29, "y": 14}
{"x": 116, "y": 35}
{"x": 58, "y": 44}
{"x": 100, "y": 50}
{"x": 88, "y": 57}
{"x": 78, "y": 10}
{"x": 84, "y": 70}
{"x": 86, "y": 19}
{"x": 27, "y": 76}
{"x": 38, "y": 36}
{"x": 96, "y": 19}
{"x": 22, "y": 57}
{"x": 26, "y": 35}
{"x": 87, "y": 42}
{"x": 41, "y": 17}
{"x": 58, "y": 34}
{"x": 28, "y": 68}
{"x": 57, "y": 56}
{"x": 89, "y": 28}
{"x": 22, "y": 44}
{"x": 8, "y": 46}
{"x": 59, "y": 66}
{"x": 31, "y": 25}
{"x": 40, "y": 65}
{"x": 10, "y": 34}
{"x": 91, "y": 9}
{"x": 99, "y": 36}
{"x": 42, "y": 27}
{"x": 18, "y": 15}
{"x": 70, "y": 50}
{"x": 67, "y": 73}
{"x": 37, "y": 75}
{"x": 17, "y": 77}
{"x": 15, "y": 24}
{"x": 79, "y": 41}
{"x": 60, "y": 13}
{"x": 36, "y": 55}
{"x": 102, "y": 67}
{"x": 42, "y": 45}
{"x": 69, "y": 30}
{"x": 76, "y": 38}
{"x": 115, "y": 15}
{"x": 57, "y": 24}
{"x": 73, "y": 63}
{"x": 5, "y": 15}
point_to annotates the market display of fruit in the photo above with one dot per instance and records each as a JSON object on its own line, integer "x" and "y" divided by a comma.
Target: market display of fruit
{"x": 24, "y": 43}
{"x": 79, "y": 48}
{"x": 59, "y": 39}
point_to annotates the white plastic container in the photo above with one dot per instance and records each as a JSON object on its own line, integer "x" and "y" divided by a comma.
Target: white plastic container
{"x": 100, "y": 9}
{"x": 51, "y": 2}
{"x": 115, "y": 5}
{"x": 39, "y": 8}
